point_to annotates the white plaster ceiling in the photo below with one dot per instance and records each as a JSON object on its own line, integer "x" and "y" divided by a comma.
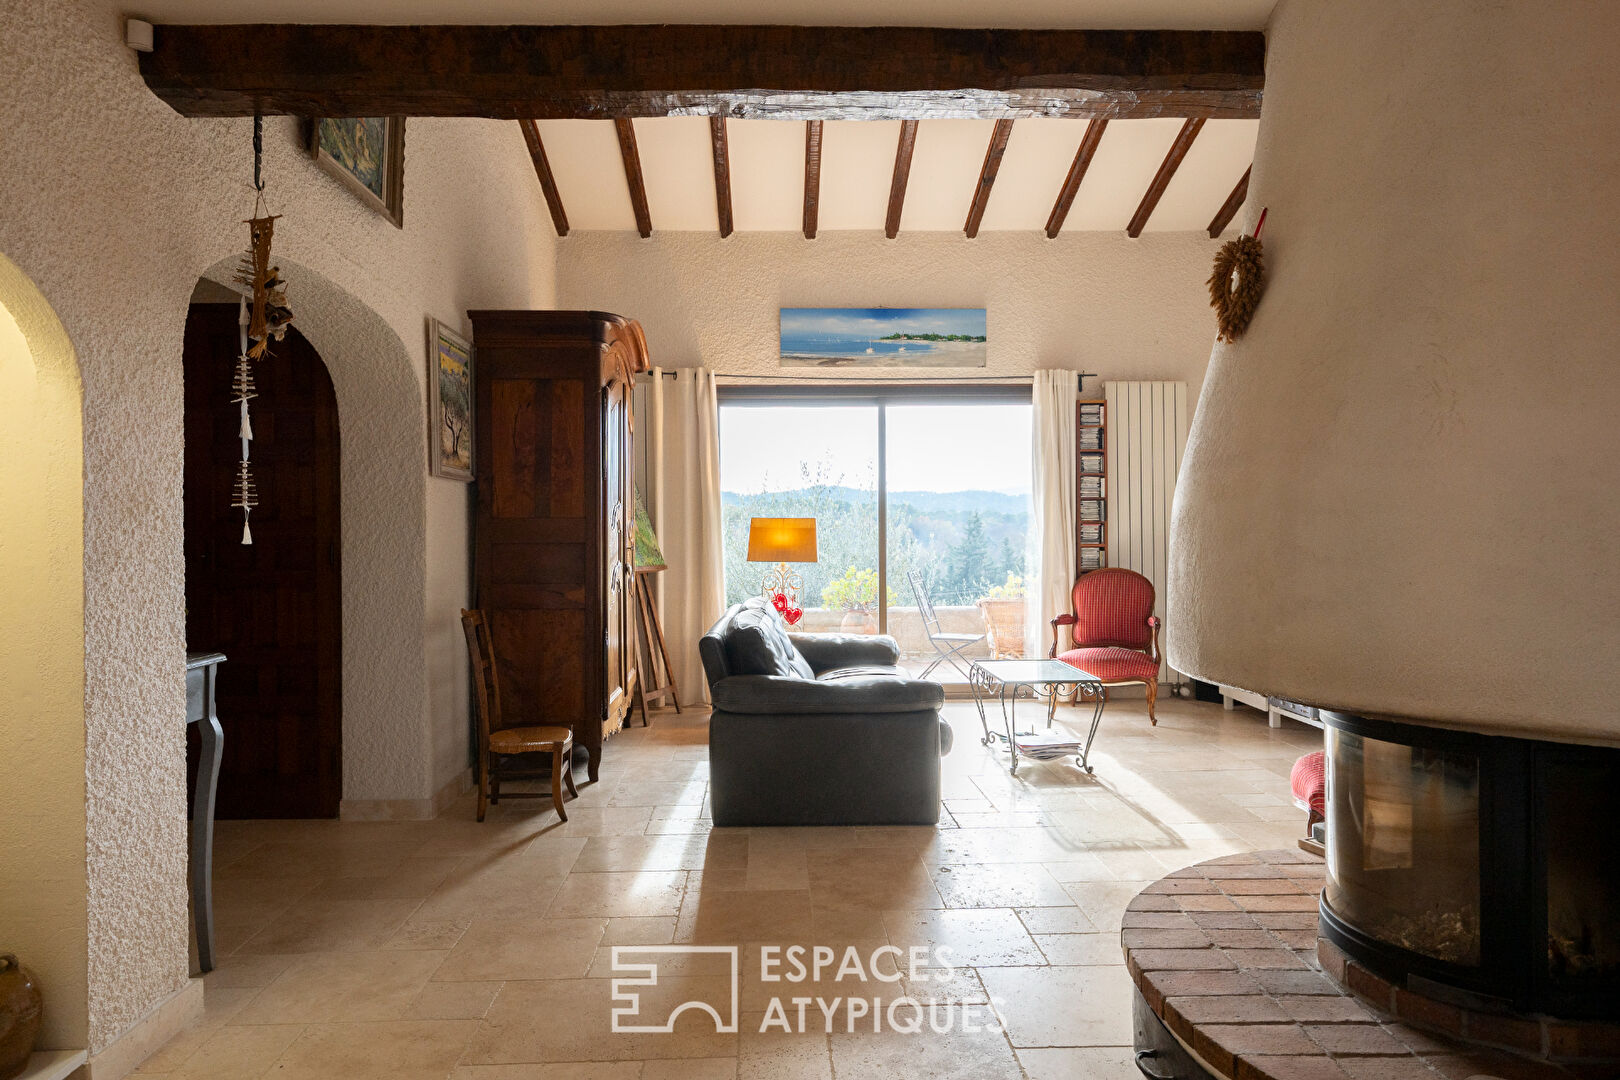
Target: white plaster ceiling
{"x": 1044, "y": 14}
{"x": 857, "y": 162}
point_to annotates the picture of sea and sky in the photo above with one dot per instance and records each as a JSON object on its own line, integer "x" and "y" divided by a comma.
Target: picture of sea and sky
{"x": 883, "y": 337}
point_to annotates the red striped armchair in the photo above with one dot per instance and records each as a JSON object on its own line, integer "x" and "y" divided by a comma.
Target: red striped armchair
{"x": 1116, "y": 635}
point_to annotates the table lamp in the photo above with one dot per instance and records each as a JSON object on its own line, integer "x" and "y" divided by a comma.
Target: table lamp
{"x": 783, "y": 541}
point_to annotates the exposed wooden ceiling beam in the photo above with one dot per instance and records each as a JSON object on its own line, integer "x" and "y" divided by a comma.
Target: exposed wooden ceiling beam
{"x": 1077, "y": 173}
{"x": 815, "y": 72}
{"x": 812, "y": 177}
{"x": 987, "y": 176}
{"x": 902, "y": 173}
{"x": 1161, "y": 179}
{"x": 1229, "y": 208}
{"x": 722, "y": 173}
{"x": 542, "y": 169}
{"x": 632, "y": 174}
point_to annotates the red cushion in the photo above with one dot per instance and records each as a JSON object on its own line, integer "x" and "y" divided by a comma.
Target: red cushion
{"x": 1113, "y": 665}
{"x": 1308, "y": 782}
{"x": 1111, "y": 607}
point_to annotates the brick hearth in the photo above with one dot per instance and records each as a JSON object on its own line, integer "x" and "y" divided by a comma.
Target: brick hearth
{"x": 1225, "y": 953}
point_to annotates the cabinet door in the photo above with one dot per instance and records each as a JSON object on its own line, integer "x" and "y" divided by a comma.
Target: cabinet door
{"x": 618, "y": 666}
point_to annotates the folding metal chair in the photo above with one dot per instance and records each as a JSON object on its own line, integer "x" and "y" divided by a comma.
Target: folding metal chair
{"x": 949, "y": 646}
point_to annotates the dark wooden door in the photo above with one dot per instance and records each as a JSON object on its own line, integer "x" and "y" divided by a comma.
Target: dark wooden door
{"x": 274, "y": 607}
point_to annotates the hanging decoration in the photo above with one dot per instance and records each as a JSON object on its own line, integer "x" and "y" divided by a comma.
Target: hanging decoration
{"x": 1236, "y": 283}
{"x": 263, "y": 316}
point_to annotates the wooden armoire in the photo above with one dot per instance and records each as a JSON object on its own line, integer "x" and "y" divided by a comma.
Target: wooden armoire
{"x": 552, "y": 542}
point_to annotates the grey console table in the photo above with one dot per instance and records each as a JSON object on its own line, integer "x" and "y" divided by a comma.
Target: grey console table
{"x": 202, "y": 669}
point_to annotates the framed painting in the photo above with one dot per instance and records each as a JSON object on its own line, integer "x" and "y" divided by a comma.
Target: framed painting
{"x": 450, "y": 403}
{"x": 367, "y": 153}
{"x": 884, "y": 337}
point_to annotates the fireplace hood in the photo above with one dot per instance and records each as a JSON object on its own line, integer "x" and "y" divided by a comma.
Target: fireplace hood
{"x": 1401, "y": 489}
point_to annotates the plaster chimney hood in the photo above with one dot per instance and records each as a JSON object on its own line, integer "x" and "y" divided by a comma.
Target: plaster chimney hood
{"x": 1400, "y": 494}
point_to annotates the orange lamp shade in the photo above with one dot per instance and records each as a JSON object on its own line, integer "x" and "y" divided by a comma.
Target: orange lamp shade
{"x": 782, "y": 540}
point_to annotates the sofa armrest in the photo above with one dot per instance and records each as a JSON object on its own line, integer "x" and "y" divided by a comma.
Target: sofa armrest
{"x": 827, "y": 651}
{"x": 771, "y": 694}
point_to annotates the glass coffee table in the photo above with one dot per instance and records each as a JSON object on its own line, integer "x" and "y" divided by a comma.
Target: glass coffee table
{"x": 1005, "y": 680}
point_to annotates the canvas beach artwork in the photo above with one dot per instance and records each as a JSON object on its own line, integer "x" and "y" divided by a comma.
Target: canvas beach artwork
{"x": 883, "y": 337}
{"x": 450, "y": 403}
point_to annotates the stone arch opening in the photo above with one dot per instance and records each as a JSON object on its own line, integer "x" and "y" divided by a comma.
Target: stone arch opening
{"x": 382, "y": 423}
{"x": 42, "y": 674}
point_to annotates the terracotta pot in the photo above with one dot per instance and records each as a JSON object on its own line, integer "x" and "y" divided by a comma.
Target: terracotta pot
{"x": 858, "y": 622}
{"x": 19, "y": 1016}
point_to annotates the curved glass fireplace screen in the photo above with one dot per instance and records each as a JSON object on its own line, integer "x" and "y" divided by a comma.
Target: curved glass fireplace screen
{"x": 1403, "y": 847}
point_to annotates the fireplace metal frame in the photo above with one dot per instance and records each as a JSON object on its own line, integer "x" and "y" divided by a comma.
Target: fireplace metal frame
{"x": 1513, "y": 973}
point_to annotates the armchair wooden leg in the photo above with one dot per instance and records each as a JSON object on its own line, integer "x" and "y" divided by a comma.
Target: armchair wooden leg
{"x": 568, "y": 773}
{"x": 1152, "y": 697}
{"x": 556, "y": 783}
{"x": 483, "y": 785}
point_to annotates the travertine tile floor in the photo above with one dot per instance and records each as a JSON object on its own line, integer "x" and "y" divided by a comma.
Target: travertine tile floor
{"x": 450, "y": 948}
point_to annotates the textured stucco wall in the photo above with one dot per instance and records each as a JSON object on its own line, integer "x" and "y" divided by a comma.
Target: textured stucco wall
{"x": 114, "y": 206}
{"x": 1122, "y": 308}
{"x": 1399, "y": 489}
{"x": 42, "y": 890}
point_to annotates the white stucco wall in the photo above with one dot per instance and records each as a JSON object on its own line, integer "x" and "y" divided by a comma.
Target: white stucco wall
{"x": 1399, "y": 489}
{"x": 113, "y": 206}
{"x": 1122, "y": 308}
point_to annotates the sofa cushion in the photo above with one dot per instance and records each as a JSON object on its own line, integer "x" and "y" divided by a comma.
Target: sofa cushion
{"x": 863, "y": 671}
{"x": 1113, "y": 665}
{"x": 757, "y": 644}
{"x": 766, "y": 695}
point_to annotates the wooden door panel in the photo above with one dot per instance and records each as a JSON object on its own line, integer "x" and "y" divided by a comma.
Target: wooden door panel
{"x": 532, "y": 693}
{"x": 273, "y": 607}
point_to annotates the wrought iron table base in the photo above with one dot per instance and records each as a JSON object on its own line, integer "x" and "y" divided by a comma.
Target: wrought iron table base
{"x": 984, "y": 682}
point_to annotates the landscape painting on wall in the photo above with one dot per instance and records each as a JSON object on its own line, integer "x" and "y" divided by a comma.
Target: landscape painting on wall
{"x": 368, "y": 154}
{"x": 883, "y": 337}
{"x": 450, "y": 403}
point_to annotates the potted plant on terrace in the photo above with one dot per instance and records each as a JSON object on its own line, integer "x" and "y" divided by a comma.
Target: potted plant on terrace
{"x": 856, "y": 593}
{"x": 1003, "y": 610}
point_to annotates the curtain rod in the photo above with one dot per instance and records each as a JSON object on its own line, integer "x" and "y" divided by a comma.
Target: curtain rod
{"x": 912, "y": 379}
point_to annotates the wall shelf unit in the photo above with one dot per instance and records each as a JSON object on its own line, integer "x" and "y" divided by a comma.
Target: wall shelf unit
{"x": 1091, "y": 485}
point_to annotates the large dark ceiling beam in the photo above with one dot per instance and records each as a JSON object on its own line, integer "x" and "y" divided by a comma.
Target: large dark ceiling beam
{"x": 785, "y": 72}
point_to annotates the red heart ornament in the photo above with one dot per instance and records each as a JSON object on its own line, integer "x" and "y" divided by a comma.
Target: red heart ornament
{"x": 793, "y": 615}
{"x": 779, "y": 602}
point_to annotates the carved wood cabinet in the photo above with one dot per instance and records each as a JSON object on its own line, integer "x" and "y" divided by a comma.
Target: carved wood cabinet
{"x": 552, "y": 541}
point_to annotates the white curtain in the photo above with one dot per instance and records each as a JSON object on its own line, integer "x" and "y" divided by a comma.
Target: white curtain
{"x": 680, "y": 481}
{"x": 1053, "y": 503}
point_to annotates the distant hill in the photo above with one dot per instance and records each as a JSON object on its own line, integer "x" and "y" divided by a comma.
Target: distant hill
{"x": 928, "y": 502}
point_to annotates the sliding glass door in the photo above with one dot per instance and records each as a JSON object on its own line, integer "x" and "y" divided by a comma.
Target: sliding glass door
{"x": 921, "y": 501}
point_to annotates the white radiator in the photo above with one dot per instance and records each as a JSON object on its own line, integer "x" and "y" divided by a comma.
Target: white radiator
{"x": 1147, "y": 433}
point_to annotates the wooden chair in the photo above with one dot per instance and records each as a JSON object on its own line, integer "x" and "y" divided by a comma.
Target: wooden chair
{"x": 497, "y": 743}
{"x": 1116, "y": 635}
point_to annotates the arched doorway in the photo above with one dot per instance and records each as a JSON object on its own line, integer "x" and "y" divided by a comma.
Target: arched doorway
{"x": 273, "y": 607}
{"x": 43, "y": 904}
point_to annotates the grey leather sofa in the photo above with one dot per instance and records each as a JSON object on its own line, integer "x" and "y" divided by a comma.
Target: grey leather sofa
{"x": 817, "y": 729}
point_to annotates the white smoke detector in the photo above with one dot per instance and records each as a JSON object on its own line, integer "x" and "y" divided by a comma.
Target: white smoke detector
{"x": 138, "y": 34}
